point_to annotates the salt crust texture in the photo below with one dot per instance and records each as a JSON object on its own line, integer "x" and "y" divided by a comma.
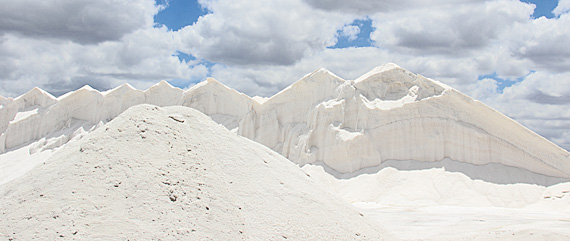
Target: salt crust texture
{"x": 387, "y": 114}
{"x": 172, "y": 173}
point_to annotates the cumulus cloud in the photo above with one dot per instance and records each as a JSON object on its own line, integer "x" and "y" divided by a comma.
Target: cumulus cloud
{"x": 370, "y": 7}
{"x": 544, "y": 42}
{"x": 553, "y": 87}
{"x": 350, "y": 32}
{"x": 271, "y": 32}
{"x": 82, "y": 21}
{"x": 348, "y": 63}
{"x": 541, "y": 101}
{"x": 266, "y": 80}
{"x": 141, "y": 58}
{"x": 486, "y": 88}
{"x": 452, "y": 30}
{"x": 562, "y": 7}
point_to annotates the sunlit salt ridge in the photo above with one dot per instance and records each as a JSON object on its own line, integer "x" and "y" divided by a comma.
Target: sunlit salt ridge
{"x": 387, "y": 114}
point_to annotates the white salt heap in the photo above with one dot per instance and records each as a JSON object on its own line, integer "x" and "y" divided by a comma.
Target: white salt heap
{"x": 172, "y": 173}
{"x": 387, "y": 114}
{"x": 392, "y": 114}
{"x": 424, "y": 160}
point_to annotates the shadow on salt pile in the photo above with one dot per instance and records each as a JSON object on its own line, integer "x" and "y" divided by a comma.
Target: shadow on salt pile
{"x": 492, "y": 172}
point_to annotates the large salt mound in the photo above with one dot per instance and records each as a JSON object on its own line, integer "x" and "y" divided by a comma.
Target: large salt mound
{"x": 173, "y": 173}
{"x": 393, "y": 114}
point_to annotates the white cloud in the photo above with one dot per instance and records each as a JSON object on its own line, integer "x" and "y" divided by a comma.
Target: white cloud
{"x": 348, "y": 63}
{"x": 541, "y": 101}
{"x": 365, "y": 7}
{"x": 350, "y": 32}
{"x": 562, "y": 7}
{"x": 272, "y": 32}
{"x": 140, "y": 58}
{"x": 82, "y": 21}
{"x": 486, "y": 88}
{"x": 227, "y": 35}
{"x": 452, "y": 30}
{"x": 544, "y": 42}
{"x": 267, "y": 80}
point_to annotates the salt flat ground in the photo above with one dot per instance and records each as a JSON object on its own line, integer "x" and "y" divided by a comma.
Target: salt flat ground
{"x": 438, "y": 204}
{"x": 469, "y": 223}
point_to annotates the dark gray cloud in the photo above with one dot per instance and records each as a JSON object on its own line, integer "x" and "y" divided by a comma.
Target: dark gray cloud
{"x": 454, "y": 42}
{"x": 58, "y": 88}
{"x": 140, "y": 58}
{"x": 545, "y": 42}
{"x": 82, "y": 21}
{"x": 241, "y": 50}
{"x": 544, "y": 98}
{"x": 371, "y": 7}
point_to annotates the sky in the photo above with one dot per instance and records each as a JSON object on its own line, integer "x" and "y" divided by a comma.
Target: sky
{"x": 512, "y": 55}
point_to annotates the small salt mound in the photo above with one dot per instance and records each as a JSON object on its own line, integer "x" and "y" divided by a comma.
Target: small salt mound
{"x": 172, "y": 173}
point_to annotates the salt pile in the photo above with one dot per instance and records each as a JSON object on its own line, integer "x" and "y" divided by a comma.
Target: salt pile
{"x": 422, "y": 159}
{"x": 387, "y": 114}
{"x": 173, "y": 173}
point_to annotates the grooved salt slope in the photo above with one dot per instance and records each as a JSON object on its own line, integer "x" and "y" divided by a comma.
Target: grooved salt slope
{"x": 392, "y": 114}
{"x": 173, "y": 174}
{"x": 387, "y": 114}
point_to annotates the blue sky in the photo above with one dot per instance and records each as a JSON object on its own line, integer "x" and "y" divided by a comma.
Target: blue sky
{"x": 178, "y": 13}
{"x": 543, "y": 7}
{"x": 501, "y": 82}
{"x": 362, "y": 38}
